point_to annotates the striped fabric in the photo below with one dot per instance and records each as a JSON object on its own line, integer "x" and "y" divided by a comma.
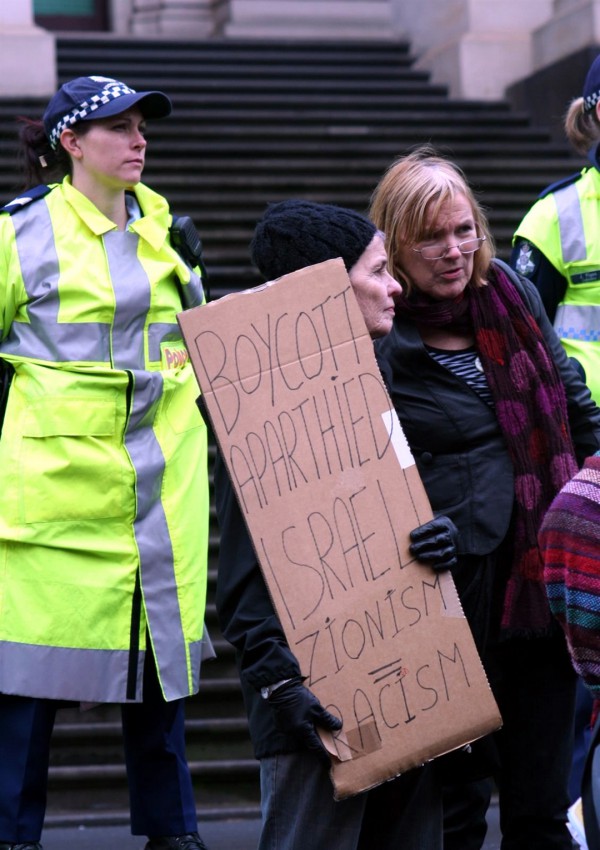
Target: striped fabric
{"x": 467, "y": 366}
{"x": 570, "y": 545}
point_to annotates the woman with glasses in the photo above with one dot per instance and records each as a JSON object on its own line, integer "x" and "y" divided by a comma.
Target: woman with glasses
{"x": 497, "y": 420}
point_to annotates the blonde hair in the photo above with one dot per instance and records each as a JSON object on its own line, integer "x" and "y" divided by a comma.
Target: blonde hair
{"x": 411, "y": 194}
{"x": 582, "y": 128}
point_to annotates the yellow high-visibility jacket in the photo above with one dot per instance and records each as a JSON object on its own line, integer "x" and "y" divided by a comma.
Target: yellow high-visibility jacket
{"x": 564, "y": 225}
{"x": 103, "y": 478}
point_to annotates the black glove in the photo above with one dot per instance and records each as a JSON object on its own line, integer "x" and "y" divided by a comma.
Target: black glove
{"x": 435, "y": 543}
{"x": 298, "y": 711}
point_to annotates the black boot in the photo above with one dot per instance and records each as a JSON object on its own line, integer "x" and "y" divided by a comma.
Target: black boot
{"x": 28, "y": 845}
{"x": 191, "y": 841}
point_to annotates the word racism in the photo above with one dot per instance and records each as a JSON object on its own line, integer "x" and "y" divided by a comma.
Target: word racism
{"x": 330, "y": 492}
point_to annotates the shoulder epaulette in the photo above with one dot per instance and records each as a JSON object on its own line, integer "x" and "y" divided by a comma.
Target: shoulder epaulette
{"x": 27, "y": 198}
{"x": 561, "y": 184}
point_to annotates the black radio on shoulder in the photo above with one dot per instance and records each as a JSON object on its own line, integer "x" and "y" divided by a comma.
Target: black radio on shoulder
{"x": 187, "y": 242}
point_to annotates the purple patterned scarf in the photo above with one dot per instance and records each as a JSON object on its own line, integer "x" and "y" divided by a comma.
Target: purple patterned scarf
{"x": 531, "y": 408}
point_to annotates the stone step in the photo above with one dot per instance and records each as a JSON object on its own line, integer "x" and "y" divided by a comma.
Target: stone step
{"x": 200, "y": 69}
{"x": 342, "y": 175}
{"x": 337, "y": 146}
{"x": 203, "y": 165}
{"x": 239, "y": 112}
{"x": 94, "y": 792}
{"x": 229, "y": 51}
{"x": 80, "y": 741}
{"x": 87, "y": 778}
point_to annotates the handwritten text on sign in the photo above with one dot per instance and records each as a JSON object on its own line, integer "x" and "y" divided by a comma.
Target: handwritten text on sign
{"x": 329, "y": 491}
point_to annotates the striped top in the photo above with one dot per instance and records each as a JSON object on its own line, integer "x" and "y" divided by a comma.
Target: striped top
{"x": 570, "y": 545}
{"x": 466, "y": 365}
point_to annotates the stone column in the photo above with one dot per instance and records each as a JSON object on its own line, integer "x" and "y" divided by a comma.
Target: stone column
{"x": 179, "y": 18}
{"x": 27, "y": 53}
{"x": 121, "y": 16}
{"x": 311, "y": 19}
{"x": 575, "y": 25}
{"x": 476, "y": 47}
{"x": 563, "y": 49}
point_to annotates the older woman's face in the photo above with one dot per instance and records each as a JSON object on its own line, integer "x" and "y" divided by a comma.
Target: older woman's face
{"x": 447, "y": 277}
{"x": 375, "y": 288}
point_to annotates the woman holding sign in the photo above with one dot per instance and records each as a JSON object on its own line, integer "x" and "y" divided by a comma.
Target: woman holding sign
{"x": 497, "y": 420}
{"x": 298, "y": 807}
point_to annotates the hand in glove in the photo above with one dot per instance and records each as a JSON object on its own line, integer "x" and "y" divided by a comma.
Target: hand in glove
{"x": 435, "y": 543}
{"x": 298, "y": 712}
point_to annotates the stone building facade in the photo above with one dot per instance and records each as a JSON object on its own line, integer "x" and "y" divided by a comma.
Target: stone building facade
{"x": 480, "y": 49}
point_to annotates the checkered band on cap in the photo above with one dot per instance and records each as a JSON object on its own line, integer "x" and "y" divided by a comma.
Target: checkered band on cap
{"x": 591, "y": 87}
{"x": 589, "y": 102}
{"x": 83, "y": 110}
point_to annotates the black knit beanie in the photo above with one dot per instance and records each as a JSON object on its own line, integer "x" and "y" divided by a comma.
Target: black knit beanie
{"x": 294, "y": 234}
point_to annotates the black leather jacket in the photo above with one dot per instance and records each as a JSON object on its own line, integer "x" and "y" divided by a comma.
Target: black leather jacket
{"x": 455, "y": 437}
{"x": 248, "y": 621}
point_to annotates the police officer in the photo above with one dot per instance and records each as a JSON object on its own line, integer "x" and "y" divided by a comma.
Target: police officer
{"x": 103, "y": 483}
{"x": 557, "y": 245}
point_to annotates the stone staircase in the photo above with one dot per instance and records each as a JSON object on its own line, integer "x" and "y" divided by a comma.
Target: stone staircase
{"x": 255, "y": 122}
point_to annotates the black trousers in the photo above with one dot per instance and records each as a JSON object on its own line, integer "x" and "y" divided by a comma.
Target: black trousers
{"x": 534, "y": 684}
{"x": 160, "y": 787}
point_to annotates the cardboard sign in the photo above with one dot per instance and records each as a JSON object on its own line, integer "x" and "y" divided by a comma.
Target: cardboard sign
{"x": 329, "y": 491}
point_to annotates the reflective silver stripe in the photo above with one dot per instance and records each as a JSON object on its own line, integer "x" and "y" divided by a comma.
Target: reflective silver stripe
{"x": 203, "y": 649}
{"x": 200, "y": 650}
{"x": 82, "y": 675}
{"x": 157, "y": 570}
{"x": 88, "y": 675}
{"x": 161, "y": 332}
{"x": 193, "y": 292}
{"x": 132, "y": 299}
{"x": 570, "y": 221}
{"x": 44, "y": 338}
{"x": 578, "y": 322}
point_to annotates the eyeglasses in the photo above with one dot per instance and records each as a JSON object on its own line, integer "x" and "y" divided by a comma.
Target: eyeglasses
{"x": 438, "y": 252}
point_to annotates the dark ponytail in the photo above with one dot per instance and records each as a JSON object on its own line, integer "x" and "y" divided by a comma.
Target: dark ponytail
{"x": 39, "y": 163}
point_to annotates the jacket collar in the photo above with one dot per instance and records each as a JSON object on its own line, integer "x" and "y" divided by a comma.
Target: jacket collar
{"x": 153, "y": 226}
